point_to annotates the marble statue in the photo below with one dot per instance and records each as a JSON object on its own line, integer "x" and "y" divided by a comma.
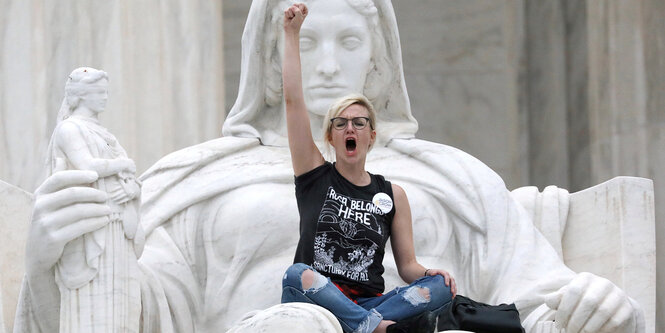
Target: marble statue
{"x": 95, "y": 273}
{"x": 293, "y": 318}
{"x": 221, "y": 221}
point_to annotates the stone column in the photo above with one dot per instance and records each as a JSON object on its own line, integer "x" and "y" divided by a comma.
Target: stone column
{"x": 617, "y": 90}
{"x": 626, "y": 108}
{"x": 653, "y": 24}
{"x": 614, "y": 78}
{"x": 463, "y": 62}
{"x": 594, "y": 82}
{"x": 576, "y": 77}
{"x": 545, "y": 98}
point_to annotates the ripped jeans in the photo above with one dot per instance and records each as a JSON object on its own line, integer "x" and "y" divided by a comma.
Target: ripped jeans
{"x": 396, "y": 305}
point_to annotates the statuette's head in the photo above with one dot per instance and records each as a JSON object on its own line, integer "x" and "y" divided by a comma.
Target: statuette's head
{"x": 85, "y": 88}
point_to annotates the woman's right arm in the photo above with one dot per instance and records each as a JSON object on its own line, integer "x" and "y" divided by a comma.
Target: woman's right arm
{"x": 305, "y": 156}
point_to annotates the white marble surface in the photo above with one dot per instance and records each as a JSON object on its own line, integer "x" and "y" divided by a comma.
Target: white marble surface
{"x": 291, "y": 317}
{"x": 15, "y": 212}
{"x": 611, "y": 232}
{"x": 608, "y": 229}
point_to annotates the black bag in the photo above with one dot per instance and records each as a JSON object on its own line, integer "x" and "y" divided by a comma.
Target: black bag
{"x": 464, "y": 313}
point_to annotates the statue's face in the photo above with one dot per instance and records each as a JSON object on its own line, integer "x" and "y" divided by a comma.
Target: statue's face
{"x": 95, "y": 99}
{"x": 335, "y": 50}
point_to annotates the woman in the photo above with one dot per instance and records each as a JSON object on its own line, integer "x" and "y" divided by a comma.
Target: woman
{"x": 347, "y": 215}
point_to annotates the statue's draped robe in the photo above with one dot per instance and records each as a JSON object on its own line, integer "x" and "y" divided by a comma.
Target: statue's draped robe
{"x": 222, "y": 227}
{"x": 80, "y": 261}
{"x": 96, "y": 274}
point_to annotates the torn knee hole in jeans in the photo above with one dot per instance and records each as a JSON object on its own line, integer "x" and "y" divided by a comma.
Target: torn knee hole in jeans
{"x": 319, "y": 281}
{"x": 417, "y": 295}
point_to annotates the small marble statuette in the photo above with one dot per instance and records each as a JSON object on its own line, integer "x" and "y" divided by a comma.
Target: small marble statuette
{"x": 96, "y": 274}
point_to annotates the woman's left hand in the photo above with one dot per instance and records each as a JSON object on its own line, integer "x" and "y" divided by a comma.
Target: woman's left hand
{"x": 450, "y": 281}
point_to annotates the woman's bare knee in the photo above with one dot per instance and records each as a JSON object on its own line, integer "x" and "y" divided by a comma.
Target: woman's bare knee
{"x": 312, "y": 281}
{"x": 307, "y": 279}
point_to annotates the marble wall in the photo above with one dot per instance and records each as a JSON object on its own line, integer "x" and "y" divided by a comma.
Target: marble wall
{"x": 164, "y": 60}
{"x": 462, "y": 63}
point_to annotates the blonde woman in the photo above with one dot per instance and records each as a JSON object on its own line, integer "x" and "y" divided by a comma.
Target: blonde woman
{"x": 347, "y": 215}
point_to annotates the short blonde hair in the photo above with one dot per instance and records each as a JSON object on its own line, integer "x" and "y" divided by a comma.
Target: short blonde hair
{"x": 339, "y": 106}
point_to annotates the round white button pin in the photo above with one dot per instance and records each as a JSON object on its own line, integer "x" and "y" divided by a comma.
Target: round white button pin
{"x": 383, "y": 201}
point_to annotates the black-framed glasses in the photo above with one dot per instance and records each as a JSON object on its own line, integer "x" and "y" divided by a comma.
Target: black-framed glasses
{"x": 339, "y": 123}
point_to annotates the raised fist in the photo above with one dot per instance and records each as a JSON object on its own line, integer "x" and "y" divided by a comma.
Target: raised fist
{"x": 293, "y": 17}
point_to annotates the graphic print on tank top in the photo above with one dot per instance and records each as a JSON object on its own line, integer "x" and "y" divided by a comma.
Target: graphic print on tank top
{"x": 347, "y": 236}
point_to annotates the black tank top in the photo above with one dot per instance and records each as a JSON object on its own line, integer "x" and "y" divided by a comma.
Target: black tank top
{"x": 344, "y": 227}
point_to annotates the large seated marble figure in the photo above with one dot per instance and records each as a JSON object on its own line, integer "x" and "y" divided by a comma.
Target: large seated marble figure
{"x": 221, "y": 221}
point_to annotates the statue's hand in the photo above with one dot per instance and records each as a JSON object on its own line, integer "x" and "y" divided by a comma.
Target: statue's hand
{"x": 132, "y": 186}
{"x": 590, "y": 303}
{"x": 65, "y": 208}
{"x": 123, "y": 188}
{"x": 294, "y": 17}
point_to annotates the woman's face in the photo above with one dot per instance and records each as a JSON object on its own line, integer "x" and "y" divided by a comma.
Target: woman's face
{"x": 351, "y": 144}
{"x": 335, "y": 51}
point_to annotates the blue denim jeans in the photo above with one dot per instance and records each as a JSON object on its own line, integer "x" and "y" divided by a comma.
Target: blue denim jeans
{"x": 396, "y": 305}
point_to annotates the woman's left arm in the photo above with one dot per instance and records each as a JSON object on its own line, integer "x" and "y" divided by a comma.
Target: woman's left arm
{"x": 402, "y": 243}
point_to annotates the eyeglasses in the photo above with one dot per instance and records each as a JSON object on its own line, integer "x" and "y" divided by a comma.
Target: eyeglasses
{"x": 339, "y": 123}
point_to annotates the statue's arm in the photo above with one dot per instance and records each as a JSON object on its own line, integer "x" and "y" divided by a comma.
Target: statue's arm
{"x": 305, "y": 156}
{"x": 65, "y": 208}
{"x": 494, "y": 228}
{"x": 69, "y": 139}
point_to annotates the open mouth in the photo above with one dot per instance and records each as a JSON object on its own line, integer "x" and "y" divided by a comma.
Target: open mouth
{"x": 350, "y": 144}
